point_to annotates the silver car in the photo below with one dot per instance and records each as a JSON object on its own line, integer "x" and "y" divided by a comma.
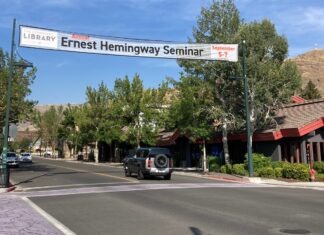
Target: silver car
{"x": 26, "y": 157}
{"x": 12, "y": 159}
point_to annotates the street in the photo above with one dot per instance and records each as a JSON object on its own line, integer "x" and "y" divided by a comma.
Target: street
{"x": 99, "y": 199}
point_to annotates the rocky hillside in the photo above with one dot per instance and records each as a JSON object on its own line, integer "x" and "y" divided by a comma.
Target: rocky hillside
{"x": 311, "y": 66}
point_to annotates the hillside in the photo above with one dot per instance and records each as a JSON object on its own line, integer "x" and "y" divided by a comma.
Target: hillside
{"x": 311, "y": 66}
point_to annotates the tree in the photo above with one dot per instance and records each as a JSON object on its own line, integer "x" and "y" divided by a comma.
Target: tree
{"x": 190, "y": 111}
{"x": 218, "y": 24}
{"x": 69, "y": 131}
{"x": 140, "y": 110}
{"x": 20, "y": 107}
{"x": 310, "y": 91}
{"x": 48, "y": 124}
{"x": 272, "y": 80}
{"x": 97, "y": 120}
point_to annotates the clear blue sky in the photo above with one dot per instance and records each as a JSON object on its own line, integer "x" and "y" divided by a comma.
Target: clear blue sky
{"x": 63, "y": 76}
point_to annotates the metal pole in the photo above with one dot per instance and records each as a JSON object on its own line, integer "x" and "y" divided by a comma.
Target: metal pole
{"x": 247, "y": 114}
{"x": 6, "y": 134}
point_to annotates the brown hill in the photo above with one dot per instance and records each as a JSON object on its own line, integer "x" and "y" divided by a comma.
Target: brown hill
{"x": 311, "y": 66}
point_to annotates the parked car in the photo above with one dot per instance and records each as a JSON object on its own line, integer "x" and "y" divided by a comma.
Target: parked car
{"x": 25, "y": 157}
{"x": 12, "y": 159}
{"x": 149, "y": 162}
{"x": 48, "y": 154}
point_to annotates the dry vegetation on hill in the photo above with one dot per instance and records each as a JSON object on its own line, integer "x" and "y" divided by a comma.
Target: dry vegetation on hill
{"x": 311, "y": 66}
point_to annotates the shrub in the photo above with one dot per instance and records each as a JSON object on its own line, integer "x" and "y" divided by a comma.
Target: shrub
{"x": 278, "y": 172}
{"x": 267, "y": 172}
{"x": 238, "y": 169}
{"x": 319, "y": 167}
{"x": 278, "y": 164}
{"x": 295, "y": 171}
{"x": 226, "y": 169}
{"x": 259, "y": 161}
{"x": 213, "y": 164}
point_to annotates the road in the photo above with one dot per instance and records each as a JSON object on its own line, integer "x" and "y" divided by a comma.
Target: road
{"x": 92, "y": 199}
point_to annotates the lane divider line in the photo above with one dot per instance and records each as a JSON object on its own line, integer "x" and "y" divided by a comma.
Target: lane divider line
{"x": 95, "y": 173}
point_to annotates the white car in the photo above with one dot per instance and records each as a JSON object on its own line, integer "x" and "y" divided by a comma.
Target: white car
{"x": 12, "y": 159}
{"x": 26, "y": 157}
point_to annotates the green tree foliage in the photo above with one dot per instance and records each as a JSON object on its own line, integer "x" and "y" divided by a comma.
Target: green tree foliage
{"x": 20, "y": 108}
{"x": 190, "y": 111}
{"x": 48, "y": 124}
{"x": 310, "y": 91}
{"x": 69, "y": 131}
{"x": 141, "y": 110}
{"x": 272, "y": 80}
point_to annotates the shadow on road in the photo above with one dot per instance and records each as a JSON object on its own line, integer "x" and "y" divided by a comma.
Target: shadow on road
{"x": 195, "y": 231}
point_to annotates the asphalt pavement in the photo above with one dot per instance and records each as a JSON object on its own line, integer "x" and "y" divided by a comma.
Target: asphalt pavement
{"x": 191, "y": 203}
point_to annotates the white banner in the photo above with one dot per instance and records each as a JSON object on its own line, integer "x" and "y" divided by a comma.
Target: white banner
{"x": 56, "y": 40}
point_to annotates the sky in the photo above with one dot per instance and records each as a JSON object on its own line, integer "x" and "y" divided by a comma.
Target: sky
{"x": 62, "y": 77}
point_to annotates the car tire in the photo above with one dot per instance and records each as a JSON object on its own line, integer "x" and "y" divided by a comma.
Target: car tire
{"x": 161, "y": 161}
{"x": 167, "y": 177}
{"x": 127, "y": 173}
{"x": 140, "y": 175}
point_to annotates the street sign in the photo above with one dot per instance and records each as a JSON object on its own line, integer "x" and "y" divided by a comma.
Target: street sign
{"x": 13, "y": 129}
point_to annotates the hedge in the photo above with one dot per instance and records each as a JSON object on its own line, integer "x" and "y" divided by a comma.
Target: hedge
{"x": 226, "y": 169}
{"x": 267, "y": 172}
{"x": 319, "y": 167}
{"x": 238, "y": 169}
{"x": 213, "y": 164}
{"x": 259, "y": 161}
{"x": 296, "y": 171}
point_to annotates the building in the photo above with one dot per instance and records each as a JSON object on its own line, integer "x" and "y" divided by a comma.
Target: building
{"x": 298, "y": 137}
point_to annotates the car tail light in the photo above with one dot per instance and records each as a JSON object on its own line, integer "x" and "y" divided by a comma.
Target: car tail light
{"x": 148, "y": 163}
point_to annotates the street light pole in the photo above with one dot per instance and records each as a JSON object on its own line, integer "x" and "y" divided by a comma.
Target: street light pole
{"x": 247, "y": 110}
{"x": 247, "y": 113}
{"x": 6, "y": 133}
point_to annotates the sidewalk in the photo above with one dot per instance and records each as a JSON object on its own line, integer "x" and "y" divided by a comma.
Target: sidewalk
{"x": 18, "y": 215}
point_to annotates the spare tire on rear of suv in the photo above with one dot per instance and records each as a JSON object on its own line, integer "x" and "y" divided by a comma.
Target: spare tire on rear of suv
{"x": 161, "y": 161}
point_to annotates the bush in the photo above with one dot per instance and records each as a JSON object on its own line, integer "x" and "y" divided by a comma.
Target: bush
{"x": 267, "y": 172}
{"x": 319, "y": 167}
{"x": 238, "y": 169}
{"x": 278, "y": 164}
{"x": 226, "y": 169}
{"x": 259, "y": 161}
{"x": 213, "y": 164}
{"x": 278, "y": 172}
{"x": 295, "y": 171}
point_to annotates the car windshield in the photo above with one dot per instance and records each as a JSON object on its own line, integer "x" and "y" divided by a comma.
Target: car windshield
{"x": 11, "y": 155}
{"x": 25, "y": 154}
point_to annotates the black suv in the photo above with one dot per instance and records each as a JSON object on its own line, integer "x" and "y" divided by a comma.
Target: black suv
{"x": 149, "y": 161}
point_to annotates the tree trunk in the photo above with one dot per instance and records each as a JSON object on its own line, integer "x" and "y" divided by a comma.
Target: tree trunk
{"x": 204, "y": 157}
{"x": 225, "y": 143}
{"x": 96, "y": 151}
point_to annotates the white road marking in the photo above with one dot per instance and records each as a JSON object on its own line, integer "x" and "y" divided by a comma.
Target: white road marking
{"x": 73, "y": 185}
{"x": 48, "y": 217}
{"x": 134, "y": 187}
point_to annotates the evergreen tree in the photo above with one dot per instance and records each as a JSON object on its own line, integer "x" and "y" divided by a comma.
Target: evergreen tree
{"x": 310, "y": 91}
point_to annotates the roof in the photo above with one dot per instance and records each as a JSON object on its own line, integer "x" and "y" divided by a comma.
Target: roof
{"x": 295, "y": 120}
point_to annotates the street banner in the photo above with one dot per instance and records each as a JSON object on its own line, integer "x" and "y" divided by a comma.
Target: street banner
{"x": 57, "y": 40}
